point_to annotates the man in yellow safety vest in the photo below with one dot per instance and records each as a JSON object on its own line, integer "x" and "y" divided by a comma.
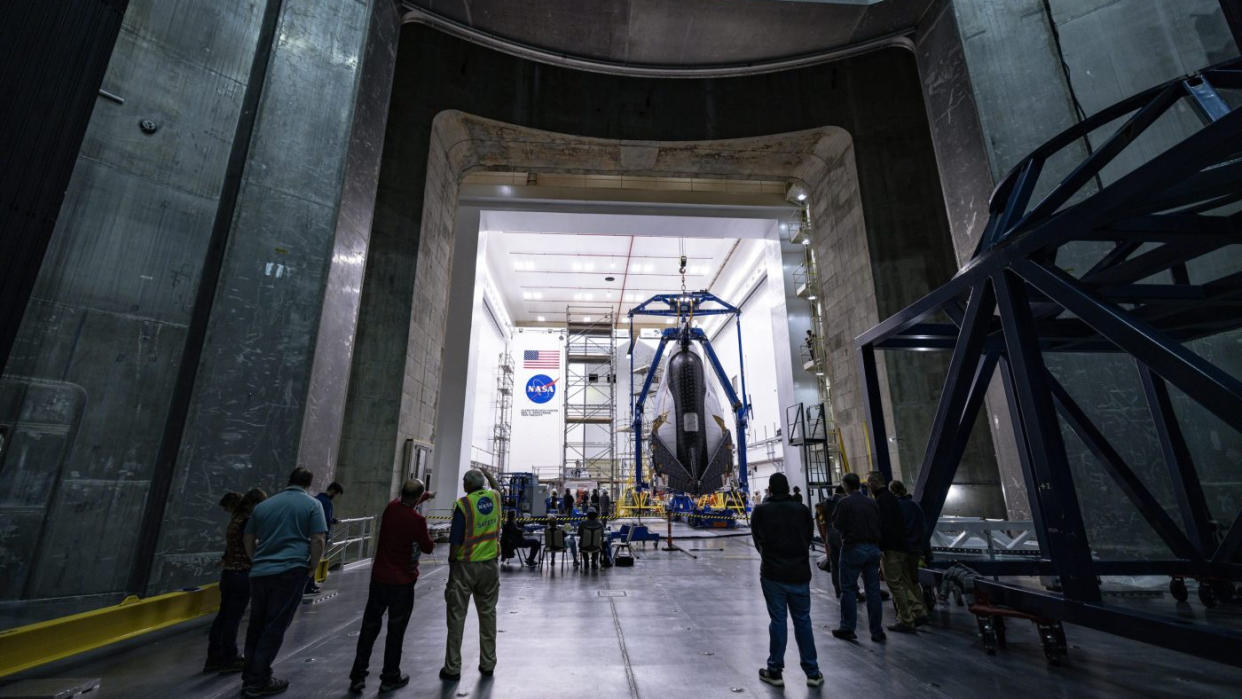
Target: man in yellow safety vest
{"x": 474, "y": 553}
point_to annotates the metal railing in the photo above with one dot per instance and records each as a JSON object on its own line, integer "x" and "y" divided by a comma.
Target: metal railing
{"x": 355, "y": 542}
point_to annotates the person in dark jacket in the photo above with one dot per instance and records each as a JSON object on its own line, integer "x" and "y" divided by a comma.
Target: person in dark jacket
{"x": 916, "y": 546}
{"x": 782, "y": 530}
{"x": 893, "y": 563}
{"x": 858, "y": 519}
{"x": 567, "y": 504}
{"x": 513, "y": 537}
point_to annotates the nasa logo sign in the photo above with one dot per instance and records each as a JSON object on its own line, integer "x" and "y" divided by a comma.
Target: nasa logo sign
{"x": 541, "y": 388}
{"x": 485, "y": 506}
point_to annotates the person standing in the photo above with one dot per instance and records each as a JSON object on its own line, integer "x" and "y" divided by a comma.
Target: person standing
{"x": 474, "y": 571}
{"x": 403, "y": 538}
{"x": 797, "y": 495}
{"x": 325, "y": 499}
{"x": 893, "y": 560}
{"x": 284, "y": 539}
{"x": 567, "y": 504}
{"x": 782, "y": 529}
{"x": 916, "y": 547}
{"x": 605, "y": 504}
{"x": 858, "y": 519}
{"x": 222, "y": 655}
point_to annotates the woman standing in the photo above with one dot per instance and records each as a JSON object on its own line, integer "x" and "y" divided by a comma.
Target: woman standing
{"x": 222, "y": 654}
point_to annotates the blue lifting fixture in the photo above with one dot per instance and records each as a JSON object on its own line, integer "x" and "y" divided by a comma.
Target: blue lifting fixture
{"x": 685, "y": 307}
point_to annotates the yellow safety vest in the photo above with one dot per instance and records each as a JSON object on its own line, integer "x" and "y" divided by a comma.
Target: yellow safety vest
{"x": 481, "y": 510}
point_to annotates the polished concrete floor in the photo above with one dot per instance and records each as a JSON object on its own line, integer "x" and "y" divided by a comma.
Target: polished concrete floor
{"x": 671, "y": 626}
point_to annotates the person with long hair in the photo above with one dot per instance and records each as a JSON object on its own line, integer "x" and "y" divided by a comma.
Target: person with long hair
{"x": 222, "y": 655}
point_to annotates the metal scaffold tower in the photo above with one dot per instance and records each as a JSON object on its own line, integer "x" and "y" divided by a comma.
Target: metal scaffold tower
{"x": 590, "y": 402}
{"x": 504, "y": 412}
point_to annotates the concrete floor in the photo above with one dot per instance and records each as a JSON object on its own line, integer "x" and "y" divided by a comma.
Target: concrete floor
{"x": 669, "y": 627}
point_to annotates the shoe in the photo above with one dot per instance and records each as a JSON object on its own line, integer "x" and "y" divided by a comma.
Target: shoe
{"x": 901, "y": 627}
{"x": 861, "y": 598}
{"x": 922, "y": 621}
{"x": 389, "y": 685}
{"x": 273, "y": 686}
{"x": 815, "y": 680}
{"x": 449, "y": 677}
{"x": 772, "y": 677}
{"x": 356, "y": 686}
{"x": 312, "y": 590}
{"x": 845, "y": 634}
{"x": 236, "y": 665}
{"x": 879, "y": 637}
{"x": 487, "y": 673}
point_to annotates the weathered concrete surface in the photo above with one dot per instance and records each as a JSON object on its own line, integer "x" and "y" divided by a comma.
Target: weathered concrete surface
{"x": 246, "y": 412}
{"x": 87, "y": 387}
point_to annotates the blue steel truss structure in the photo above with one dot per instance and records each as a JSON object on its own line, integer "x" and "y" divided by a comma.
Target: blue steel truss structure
{"x": 684, "y": 307}
{"x": 1011, "y": 304}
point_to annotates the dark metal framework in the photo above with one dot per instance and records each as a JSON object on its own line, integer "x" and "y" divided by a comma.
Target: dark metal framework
{"x": 1012, "y": 303}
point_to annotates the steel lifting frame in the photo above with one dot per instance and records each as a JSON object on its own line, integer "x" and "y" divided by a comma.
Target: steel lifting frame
{"x": 684, "y": 307}
{"x": 1011, "y": 304}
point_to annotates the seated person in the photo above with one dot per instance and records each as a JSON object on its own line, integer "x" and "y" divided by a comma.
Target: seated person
{"x": 513, "y": 537}
{"x": 571, "y": 542}
{"x": 591, "y": 535}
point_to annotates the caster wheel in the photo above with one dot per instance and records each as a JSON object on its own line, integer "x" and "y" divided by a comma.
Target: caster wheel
{"x": 987, "y": 633}
{"x": 1207, "y": 595}
{"x": 1177, "y": 588}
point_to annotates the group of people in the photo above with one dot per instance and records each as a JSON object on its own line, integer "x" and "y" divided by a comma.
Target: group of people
{"x": 565, "y": 504}
{"x": 884, "y": 531}
{"x": 559, "y": 536}
{"x": 274, "y": 544}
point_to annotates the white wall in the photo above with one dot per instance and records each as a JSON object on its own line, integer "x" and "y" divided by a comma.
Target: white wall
{"x": 538, "y": 428}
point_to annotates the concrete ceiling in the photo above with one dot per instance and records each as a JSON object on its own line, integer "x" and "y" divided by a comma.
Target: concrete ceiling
{"x": 681, "y": 33}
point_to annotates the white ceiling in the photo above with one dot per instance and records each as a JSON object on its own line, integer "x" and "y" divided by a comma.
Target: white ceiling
{"x": 540, "y": 274}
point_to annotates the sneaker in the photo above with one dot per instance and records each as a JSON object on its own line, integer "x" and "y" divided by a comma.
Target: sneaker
{"x": 234, "y": 666}
{"x": 390, "y": 685}
{"x": 356, "y": 686}
{"x": 772, "y": 677}
{"x": 312, "y": 590}
{"x": 449, "y": 676}
{"x": 273, "y": 686}
{"x": 815, "y": 680}
{"x": 879, "y": 637}
{"x": 901, "y": 627}
{"x": 845, "y": 634}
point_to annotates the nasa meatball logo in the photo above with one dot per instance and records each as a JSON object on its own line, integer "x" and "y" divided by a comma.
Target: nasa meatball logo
{"x": 541, "y": 388}
{"x": 485, "y": 506}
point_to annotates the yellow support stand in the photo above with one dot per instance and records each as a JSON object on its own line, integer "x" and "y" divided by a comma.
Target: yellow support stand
{"x": 321, "y": 571}
{"x": 32, "y": 645}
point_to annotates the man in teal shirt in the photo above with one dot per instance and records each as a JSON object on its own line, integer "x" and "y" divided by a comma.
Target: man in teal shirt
{"x": 284, "y": 538}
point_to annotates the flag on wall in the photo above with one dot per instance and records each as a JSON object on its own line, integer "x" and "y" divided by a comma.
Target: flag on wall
{"x": 541, "y": 359}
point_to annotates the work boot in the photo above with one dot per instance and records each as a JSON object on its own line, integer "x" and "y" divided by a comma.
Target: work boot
{"x": 273, "y": 686}
{"x": 448, "y": 676}
{"x": 356, "y": 686}
{"x": 901, "y": 627}
{"x": 398, "y": 683}
{"x": 845, "y": 634}
{"x": 772, "y": 677}
{"x": 488, "y": 672}
{"x": 234, "y": 666}
{"x": 879, "y": 637}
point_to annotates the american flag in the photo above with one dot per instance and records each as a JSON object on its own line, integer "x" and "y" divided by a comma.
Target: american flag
{"x": 541, "y": 359}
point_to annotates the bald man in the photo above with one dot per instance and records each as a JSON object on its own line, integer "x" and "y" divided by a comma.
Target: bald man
{"x": 474, "y": 571}
{"x": 403, "y": 538}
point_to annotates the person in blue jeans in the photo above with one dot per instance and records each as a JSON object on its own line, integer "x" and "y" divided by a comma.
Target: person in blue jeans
{"x": 782, "y": 528}
{"x": 284, "y": 540}
{"x": 857, "y": 517}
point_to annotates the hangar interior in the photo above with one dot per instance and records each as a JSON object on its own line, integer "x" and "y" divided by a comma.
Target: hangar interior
{"x": 988, "y": 249}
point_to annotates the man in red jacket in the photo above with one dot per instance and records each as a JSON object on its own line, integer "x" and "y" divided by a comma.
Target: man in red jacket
{"x": 403, "y": 537}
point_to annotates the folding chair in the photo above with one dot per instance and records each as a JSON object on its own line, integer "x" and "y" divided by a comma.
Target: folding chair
{"x": 553, "y": 543}
{"x": 590, "y": 540}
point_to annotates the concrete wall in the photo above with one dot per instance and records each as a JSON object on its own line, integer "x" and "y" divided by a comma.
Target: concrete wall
{"x": 1002, "y": 78}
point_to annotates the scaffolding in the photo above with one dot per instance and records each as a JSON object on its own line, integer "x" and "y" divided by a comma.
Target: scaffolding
{"x": 590, "y": 399}
{"x": 504, "y": 411}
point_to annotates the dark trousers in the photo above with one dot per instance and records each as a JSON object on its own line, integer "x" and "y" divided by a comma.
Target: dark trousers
{"x": 234, "y": 596}
{"x": 273, "y": 600}
{"x": 834, "y": 559}
{"x": 794, "y": 600}
{"x": 398, "y": 602}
